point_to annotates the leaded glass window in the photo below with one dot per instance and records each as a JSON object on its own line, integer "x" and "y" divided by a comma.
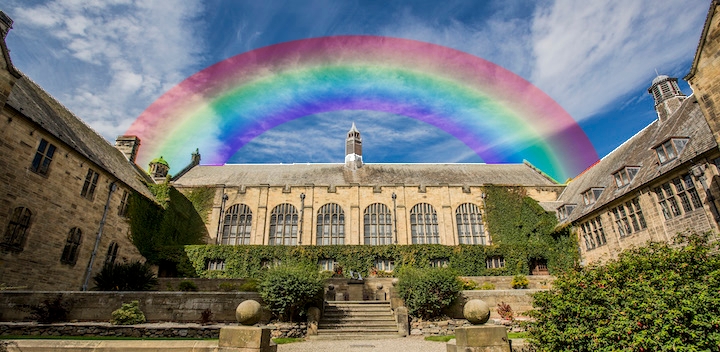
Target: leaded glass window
{"x": 330, "y": 225}
{"x": 17, "y": 228}
{"x": 424, "y": 224}
{"x": 72, "y": 247}
{"x": 284, "y": 225}
{"x": 469, "y": 224}
{"x": 377, "y": 221}
{"x": 237, "y": 224}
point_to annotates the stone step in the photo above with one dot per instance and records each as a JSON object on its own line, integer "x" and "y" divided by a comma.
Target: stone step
{"x": 369, "y": 311}
{"x": 358, "y": 326}
{"x": 353, "y": 319}
{"x": 358, "y": 302}
{"x": 356, "y": 330}
{"x": 343, "y": 336}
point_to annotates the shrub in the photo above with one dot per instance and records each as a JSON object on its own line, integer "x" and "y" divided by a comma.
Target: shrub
{"x": 520, "y": 281}
{"x": 487, "y": 286}
{"x": 128, "y": 314}
{"x": 134, "y": 276}
{"x": 660, "y": 297}
{"x": 249, "y": 286}
{"x": 187, "y": 286}
{"x": 468, "y": 284}
{"x": 227, "y": 287}
{"x": 505, "y": 311}
{"x": 288, "y": 289}
{"x": 50, "y": 311}
{"x": 428, "y": 291}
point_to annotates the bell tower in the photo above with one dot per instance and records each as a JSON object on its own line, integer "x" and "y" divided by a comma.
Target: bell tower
{"x": 667, "y": 94}
{"x": 353, "y": 149}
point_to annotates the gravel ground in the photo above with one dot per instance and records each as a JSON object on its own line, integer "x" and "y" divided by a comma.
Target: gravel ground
{"x": 401, "y": 344}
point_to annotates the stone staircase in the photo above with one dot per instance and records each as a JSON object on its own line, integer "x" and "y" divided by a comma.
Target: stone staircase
{"x": 346, "y": 320}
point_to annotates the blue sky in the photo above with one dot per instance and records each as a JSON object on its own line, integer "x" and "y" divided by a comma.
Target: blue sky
{"x": 109, "y": 60}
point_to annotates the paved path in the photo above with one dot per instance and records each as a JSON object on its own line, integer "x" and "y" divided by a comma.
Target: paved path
{"x": 401, "y": 344}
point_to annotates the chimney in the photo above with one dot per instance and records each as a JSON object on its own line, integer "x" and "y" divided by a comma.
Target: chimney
{"x": 128, "y": 145}
{"x": 5, "y": 24}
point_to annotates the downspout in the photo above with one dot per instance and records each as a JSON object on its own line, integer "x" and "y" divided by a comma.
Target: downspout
{"x": 88, "y": 272}
{"x": 220, "y": 220}
{"x": 302, "y": 215}
{"x": 394, "y": 197}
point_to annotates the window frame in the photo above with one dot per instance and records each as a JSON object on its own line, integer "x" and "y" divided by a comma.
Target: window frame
{"x": 330, "y": 225}
{"x": 236, "y": 228}
{"x": 377, "y": 225}
{"x": 111, "y": 254}
{"x": 629, "y": 172}
{"x": 590, "y": 196}
{"x": 495, "y": 262}
{"x": 284, "y": 217}
{"x": 424, "y": 226}
{"x": 90, "y": 184}
{"x": 563, "y": 212}
{"x": 43, "y": 157}
{"x": 216, "y": 264}
{"x": 470, "y": 225}
{"x": 629, "y": 218}
{"x": 16, "y": 230}
{"x": 670, "y": 144}
{"x": 384, "y": 264}
{"x": 71, "y": 250}
{"x": 593, "y": 233}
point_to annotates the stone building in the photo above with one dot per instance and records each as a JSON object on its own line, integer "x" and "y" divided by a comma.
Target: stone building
{"x": 663, "y": 180}
{"x": 63, "y": 189}
{"x": 356, "y": 202}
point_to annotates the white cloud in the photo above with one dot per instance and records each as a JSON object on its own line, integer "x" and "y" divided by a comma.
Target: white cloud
{"x": 119, "y": 56}
{"x": 590, "y": 54}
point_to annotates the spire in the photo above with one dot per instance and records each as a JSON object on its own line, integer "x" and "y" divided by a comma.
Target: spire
{"x": 353, "y": 148}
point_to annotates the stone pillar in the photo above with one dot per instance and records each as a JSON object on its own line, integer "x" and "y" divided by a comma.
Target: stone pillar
{"x": 403, "y": 321}
{"x": 480, "y": 337}
{"x": 246, "y": 339}
{"x": 313, "y": 316}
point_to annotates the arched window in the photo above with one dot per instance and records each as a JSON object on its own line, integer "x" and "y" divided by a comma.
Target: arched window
{"x": 72, "y": 246}
{"x": 330, "y": 225}
{"x": 111, "y": 253}
{"x": 424, "y": 224}
{"x": 17, "y": 229}
{"x": 284, "y": 225}
{"x": 469, "y": 224}
{"x": 237, "y": 225}
{"x": 378, "y": 224}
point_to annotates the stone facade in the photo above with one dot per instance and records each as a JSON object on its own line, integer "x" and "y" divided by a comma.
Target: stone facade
{"x": 58, "y": 176}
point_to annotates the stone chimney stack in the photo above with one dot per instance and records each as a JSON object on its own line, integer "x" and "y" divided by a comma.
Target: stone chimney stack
{"x": 128, "y": 145}
{"x": 5, "y": 24}
{"x": 667, "y": 94}
{"x": 353, "y": 149}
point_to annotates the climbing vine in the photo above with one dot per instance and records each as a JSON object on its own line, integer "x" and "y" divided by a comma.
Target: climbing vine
{"x": 202, "y": 199}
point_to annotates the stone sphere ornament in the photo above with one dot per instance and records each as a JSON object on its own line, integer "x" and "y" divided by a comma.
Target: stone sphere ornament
{"x": 395, "y": 281}
{"x": 331, "y": 287}
{"x": 379, "y": 286}
{"x": 476, "y": 311}
{"x": 248, "y": 312}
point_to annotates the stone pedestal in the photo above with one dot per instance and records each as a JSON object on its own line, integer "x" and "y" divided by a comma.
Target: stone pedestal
{"x": 481, "y": 338}
{"x": 245, "y": 339}
{"x": 355, "y": 290}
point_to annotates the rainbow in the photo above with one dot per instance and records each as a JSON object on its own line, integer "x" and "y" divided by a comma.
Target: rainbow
{"x": 499, "y": 115}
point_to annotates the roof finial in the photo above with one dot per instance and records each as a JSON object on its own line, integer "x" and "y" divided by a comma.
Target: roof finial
{"x": 656, "y": 73}
{"x": 353, "y": 128}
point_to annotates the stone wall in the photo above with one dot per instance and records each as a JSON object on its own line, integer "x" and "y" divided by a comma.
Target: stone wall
{"x": 703, "y": 77}
{"x": 519, "y": 300}
{"x": 211, "y": 285}
{"x": 165, "y": 330}
{"x": 157, "y": 306}
{"x": 353, "y": 199}
{"x": 505, "y": 282}
{"x": 57, "y": 206}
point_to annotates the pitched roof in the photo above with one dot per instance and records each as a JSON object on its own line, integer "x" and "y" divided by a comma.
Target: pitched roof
{"x": 41, "y": 108}
{"x": 369, "y": 174}
{"x": 686, "y": 122}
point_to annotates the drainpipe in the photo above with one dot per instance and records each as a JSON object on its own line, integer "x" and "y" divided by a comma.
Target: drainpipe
{"x": 220, "y": 220}
{"x": 88, "y": 272}
{"x": 394, "y": 197}
{"x": 302, "y": 215}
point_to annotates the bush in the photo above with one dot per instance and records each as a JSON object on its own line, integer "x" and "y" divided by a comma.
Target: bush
{"x": 187, "y": 286}
{"x": 520, "y": 281}
{"x": 134, "y": 276}
{"x": 505, "y": 311}
{"x": 428, "y": 291}
{"x": 128, "y": 314}
{"x": 487, "y": 286}
{"x": 249, "y": 286}
{"x": 655, "y": 298}
{"x": 468, "y": 284}
{"x": 227, "y": 287}
{"x": 288, "y": 289}
{"x": 50, "y": 311}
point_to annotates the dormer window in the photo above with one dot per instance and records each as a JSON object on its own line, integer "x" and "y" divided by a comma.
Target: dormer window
{"x": 624, "y": 176}
{"x": 565, "y": 211}
{"x": 591, "y": 196}
{"x": 670, "y": 149}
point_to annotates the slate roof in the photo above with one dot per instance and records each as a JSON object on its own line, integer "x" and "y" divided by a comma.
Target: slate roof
{"x": 41, "y": 108}
{"x": 688, "y": 121}
{"x": 369, "y": 174}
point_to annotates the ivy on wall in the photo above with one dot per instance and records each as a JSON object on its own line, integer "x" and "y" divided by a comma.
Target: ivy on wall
{"x": 172, "y": 222}
{"x": 202, "y": 199}
{"x": 522, "y": 231}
